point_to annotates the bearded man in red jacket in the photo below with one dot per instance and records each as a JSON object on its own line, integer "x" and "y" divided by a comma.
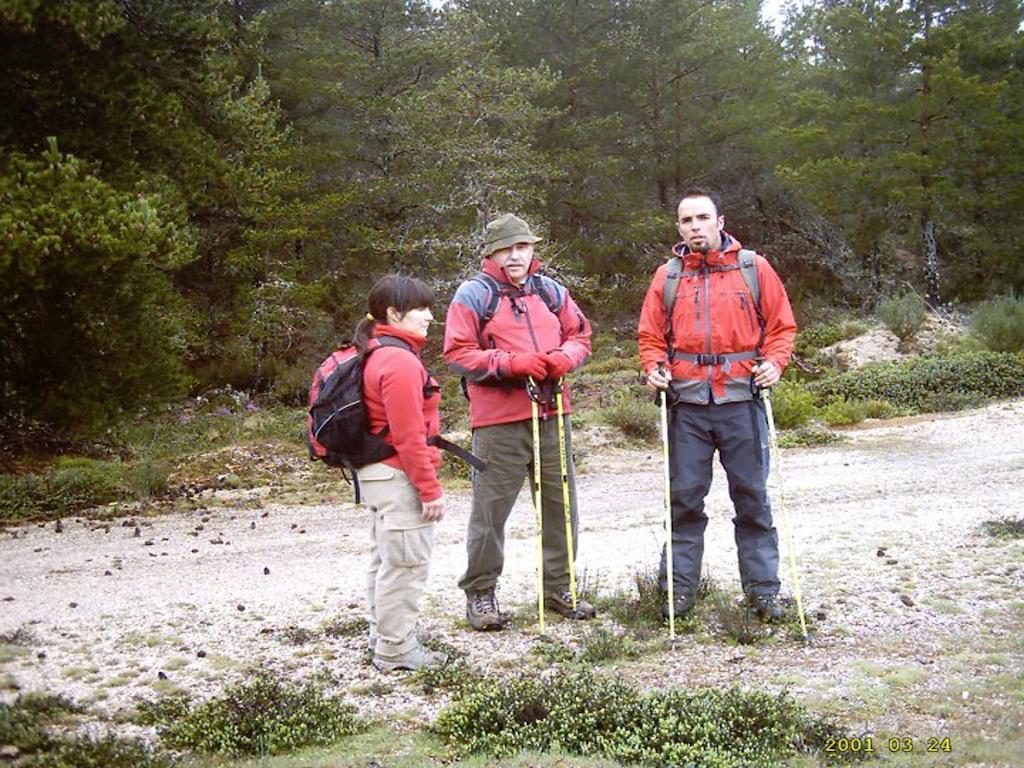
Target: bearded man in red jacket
{"x": 731, "y": 328}
{"x": 505, "y": 325}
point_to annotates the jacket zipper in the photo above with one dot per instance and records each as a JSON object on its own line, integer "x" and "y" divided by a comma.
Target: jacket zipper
{"x": 536, "y": 348}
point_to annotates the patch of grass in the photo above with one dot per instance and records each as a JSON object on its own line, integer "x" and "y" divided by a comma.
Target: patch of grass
{"x": 347, "y": 627}
{"x": 635, "y": 416}
{"x": 9, "y": 652}
{"x": 629, "y": 363}
{"x": 600, "y": 645}
{"x": 1005, "y": 528}
{"x": 581, "y": 713}
{"x": 638, "y": 608}
{"x": 809, "y": 437}
{"x": 261, "y": 715}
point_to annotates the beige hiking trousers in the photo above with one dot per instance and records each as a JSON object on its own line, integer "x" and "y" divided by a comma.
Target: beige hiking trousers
{"x": 400, "y": 545}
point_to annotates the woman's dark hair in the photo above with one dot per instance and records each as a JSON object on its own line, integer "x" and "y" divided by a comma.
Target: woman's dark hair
{"x": 398, "y": 291}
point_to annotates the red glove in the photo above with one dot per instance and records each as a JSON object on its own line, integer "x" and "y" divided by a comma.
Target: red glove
{"x": 558, "y": 364}
{"x": 528, "y": 364}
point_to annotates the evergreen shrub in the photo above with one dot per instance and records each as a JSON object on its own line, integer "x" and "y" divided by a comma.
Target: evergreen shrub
{"x": 792, "y": 405}
{"x": 635, "y": 416}
{"x": 903, "y": 315}
{"x": 840, "y": 412}
{"x": 999, "y": 323}
{"x": 260, "y": 715}
{"x": 585, "y": 714}
{"x": 929, "y": 383}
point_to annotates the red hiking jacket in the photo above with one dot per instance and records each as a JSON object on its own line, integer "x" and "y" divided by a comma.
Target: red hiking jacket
{"x": 393, "y": 383}
{"x": 522, "y": 323}
{"x": 714, "y": 314}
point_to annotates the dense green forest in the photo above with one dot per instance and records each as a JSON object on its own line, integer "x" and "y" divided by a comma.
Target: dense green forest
{"x": 198, "y": 192}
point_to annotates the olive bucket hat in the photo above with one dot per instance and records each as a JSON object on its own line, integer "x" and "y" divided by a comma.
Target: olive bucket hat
{"x": 506, "y": 231}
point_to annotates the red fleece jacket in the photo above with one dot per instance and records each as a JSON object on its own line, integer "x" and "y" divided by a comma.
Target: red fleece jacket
{"x": 393, "y": 382}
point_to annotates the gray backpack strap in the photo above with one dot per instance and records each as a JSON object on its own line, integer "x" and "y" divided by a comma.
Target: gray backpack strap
{"x": 668, "y": 298}
{"x": 748, "y": 268}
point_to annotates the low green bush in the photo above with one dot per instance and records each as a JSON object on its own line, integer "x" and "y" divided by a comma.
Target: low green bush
{"x": 259, "y": 716}
{"x": 880, "y": 409}
{"x": 999, "y": 323}
{"x": 903, "y": 315}
{"x": 635, "y": 416}
{"x": 809, "y": 437}
{"x": 792, "y": 405}
{"x": 24, "y": 723}
{"x": 930, "y": 383}
{"x": 612, "y": 365}
{"x": 585, "y": 714}
{"x": 840, "y": 412}
{"x": 600, "y": 645}
{"x": 1005, "y": 528}
{"x": 817, "y": 336}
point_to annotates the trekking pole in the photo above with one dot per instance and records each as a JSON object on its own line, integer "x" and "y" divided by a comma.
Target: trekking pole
{"x": 566, "y": 508}
{"x": 534, "y": 393}
{"x": 776, "y": 464}
{"x": 663, "y": 399}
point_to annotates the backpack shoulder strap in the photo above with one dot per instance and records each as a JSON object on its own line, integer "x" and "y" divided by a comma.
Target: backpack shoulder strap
{"x": 668, "y": 297}
{"x": 547, "y": 289}
{"x": 493, "y": 296}
{"x": 748, "y": 268}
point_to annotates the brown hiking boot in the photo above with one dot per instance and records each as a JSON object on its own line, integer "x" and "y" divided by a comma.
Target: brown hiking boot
{"x": 561, "y": 603}
{"x": 482, "y": 611}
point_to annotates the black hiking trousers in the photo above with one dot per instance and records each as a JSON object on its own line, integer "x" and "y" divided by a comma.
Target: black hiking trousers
{"x": 739, "y": 431}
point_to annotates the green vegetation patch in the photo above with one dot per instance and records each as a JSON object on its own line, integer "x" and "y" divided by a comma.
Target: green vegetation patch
{"x": 634, "y": 415}
{"x": 24, "y": 726}
{"x": 999, "y": 323}
{"x": 259, "y": 716}
{"x": 581, "y": 713}
{"x": 1005, "y": 528}
{"x": 931, "y": 383}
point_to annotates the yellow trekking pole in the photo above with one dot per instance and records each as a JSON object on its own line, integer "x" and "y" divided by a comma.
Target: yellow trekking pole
{"x": 776, "y": 467}
{"x": 565, "y": 491}
{"x": 534, "y": 394}
{"x": 668, "y": 516}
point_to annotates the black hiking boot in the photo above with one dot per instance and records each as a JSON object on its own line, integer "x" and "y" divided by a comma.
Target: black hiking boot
{"x": 684, "y": 602}
{"x": 482, "y": 611}
{"x": 767, "y": 607}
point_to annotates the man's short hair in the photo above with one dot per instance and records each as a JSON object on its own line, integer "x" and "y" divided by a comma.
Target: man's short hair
{"x": 703, "y": 192}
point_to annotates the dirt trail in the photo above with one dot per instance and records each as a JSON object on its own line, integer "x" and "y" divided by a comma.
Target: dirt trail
{"x": 101, "y": 612}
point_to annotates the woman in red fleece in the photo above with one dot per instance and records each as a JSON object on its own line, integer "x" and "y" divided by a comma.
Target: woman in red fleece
{"x": 402, "y": 493}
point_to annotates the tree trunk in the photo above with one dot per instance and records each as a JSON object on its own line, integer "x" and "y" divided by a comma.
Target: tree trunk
{"x": 931, "y": 260}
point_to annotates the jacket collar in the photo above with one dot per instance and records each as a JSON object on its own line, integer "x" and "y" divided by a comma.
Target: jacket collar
{"x": 490, "y": 268}
{"x": 416, "y": 342}
{"x": 694, "y": 260}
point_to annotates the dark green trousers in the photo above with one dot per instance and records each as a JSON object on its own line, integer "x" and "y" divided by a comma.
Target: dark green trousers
{"x": 508, "y": 449}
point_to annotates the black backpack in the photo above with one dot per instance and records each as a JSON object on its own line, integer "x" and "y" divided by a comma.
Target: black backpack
{"x": 337, "y": 429}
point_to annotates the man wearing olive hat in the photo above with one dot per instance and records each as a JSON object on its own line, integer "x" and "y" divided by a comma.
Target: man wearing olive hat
{"x": 506, "y": 324}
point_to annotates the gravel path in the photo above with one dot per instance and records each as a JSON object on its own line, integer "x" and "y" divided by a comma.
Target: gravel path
{"x": 909, "y": 593}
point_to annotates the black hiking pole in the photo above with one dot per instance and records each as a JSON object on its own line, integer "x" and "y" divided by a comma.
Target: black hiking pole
{"x": 775, "y": 464}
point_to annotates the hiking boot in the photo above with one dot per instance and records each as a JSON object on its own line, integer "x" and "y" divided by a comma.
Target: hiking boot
{"x": 767, "y": 607}
{"x": 418, "y": 658}
{"x": 684, "y": 602}
{"x": 423, "y": 635}
{"x": 561, "y": 603}
{"x": 482, "y": 611}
